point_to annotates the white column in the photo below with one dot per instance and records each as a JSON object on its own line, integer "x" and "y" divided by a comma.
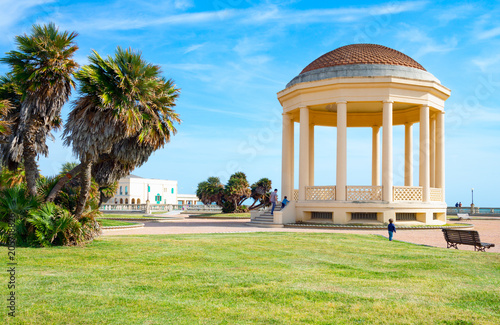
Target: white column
{"x": 303, "y": 153}
{"x": 387, "y": 175}
{"x": 340, "y": 190}
{"x": 432, "y": 151}
{"x": 375, "y": 155}
{"x": 286, "y": 157}
{"x": 440, "y": 151}
{"x": 311, "y": 155}
{"x": 409, "y": 154}
{"x": 424, "y": 166}
{"x": 291, "y": 157}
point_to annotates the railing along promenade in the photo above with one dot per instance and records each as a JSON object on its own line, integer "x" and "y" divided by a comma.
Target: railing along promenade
{"x": 475, "y": 211}
{"x": 159, "y": 207}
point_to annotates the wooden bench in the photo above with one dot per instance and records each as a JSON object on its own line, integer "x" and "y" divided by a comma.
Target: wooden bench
{"x": 463, "y": 216}
{"x": 454, "y": 237}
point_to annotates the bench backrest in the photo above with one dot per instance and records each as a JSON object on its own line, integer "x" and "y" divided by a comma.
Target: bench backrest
{"x": 470, "y": 237}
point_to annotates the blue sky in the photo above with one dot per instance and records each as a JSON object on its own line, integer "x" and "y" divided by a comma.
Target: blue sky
{"x": 231, "y": 57}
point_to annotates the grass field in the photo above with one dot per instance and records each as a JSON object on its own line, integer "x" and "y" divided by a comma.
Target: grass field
{"x": 253, "y": 278}
{"x": 109, "y": 223}
{"x": 129, "y": 216}
{"x": 223, "y": 215}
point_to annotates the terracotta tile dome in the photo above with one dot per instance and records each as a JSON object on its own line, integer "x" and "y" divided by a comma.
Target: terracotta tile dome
{"x": 362, "y": 54}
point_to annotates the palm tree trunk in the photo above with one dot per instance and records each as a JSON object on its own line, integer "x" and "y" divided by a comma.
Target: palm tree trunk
{"x": 29, "y": 156}
{"x": 85, "y": 180}
{"x": 62, "y": 181}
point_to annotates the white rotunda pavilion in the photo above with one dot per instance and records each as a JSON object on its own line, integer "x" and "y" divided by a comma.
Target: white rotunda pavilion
{"x": 370, "y": 86}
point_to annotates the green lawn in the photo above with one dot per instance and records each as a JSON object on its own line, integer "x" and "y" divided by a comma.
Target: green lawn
{"x": 109, "y": 223}
{"x": 129, "y": 216}
{"x": 254, "y": 278}
{"x": 223, "y": 215}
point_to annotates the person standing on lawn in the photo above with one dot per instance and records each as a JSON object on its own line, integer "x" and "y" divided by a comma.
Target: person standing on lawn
{"x": 391, "y": 228}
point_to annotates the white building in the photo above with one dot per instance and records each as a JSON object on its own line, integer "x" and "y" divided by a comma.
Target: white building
{"x": 137, "y": 190}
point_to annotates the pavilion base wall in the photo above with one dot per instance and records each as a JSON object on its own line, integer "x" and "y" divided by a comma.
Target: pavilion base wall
{"x": 432, "y": 213}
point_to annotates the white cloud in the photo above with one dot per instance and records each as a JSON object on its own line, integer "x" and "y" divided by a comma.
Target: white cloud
{"x": 193, "y": 47}
{"x": 485, "y": 63}
{"x": 12, "y": 12}
{"x": 255, "y": 15}
{"x": 456, "y": 12}
{"x": 487, "y": 34}
{"x": 189, "y": 66}
{"x": 427, "y": 44}
{"x": 183, "y": 4}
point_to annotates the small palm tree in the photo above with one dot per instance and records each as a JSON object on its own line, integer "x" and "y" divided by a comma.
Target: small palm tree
{"x": 123, "y": 114}
{"x": 211, "y": 191}
{"x": 236, "y": 191}
{"x": 260, "y": 193}
{"x": 10, "y": 107}
{"x": 5, "y": 129}
{"x": 43, "y": 68}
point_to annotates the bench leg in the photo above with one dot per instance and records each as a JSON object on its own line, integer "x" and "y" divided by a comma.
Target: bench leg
{"x": 450, "y": 245}
{"x": 480, "y": 248}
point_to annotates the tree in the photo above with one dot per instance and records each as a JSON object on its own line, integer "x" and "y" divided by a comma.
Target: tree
{"x": 260, "y": 193}
{"x": 10, "y": 107}
{"x": 211, "y": 191}
{"x": 43, "y": 68}
{"x": 5, "y": 129}
{"x": 123, "y": 114}
{"x": 236, "y": 191}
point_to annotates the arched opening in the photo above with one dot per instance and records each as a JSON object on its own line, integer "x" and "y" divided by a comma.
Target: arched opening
{"x": 121, "y": 201}
{"x": 126, "y": 201}
{"x": 133, "y": 201}
{"x": 138, "y": 201}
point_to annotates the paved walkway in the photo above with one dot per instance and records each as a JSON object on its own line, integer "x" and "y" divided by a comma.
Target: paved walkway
{"x": 489, "y": 230}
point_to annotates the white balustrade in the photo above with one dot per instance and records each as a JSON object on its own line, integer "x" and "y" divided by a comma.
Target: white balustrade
{"x": 407, "y": 193}
{"x": 364, "y": 193}
{"x": 436, "y": 194}
{"x": 320, "y": 193}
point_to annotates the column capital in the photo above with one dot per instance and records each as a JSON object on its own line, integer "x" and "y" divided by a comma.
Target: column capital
{"x": 388, "y": 101}
{"x": 341, "y": 102}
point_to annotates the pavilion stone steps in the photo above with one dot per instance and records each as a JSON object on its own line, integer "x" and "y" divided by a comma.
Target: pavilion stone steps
{"x": 266, "y": 217}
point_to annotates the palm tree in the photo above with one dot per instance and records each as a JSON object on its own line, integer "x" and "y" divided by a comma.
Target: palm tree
{"x": 5, "y": 129}
{"x": 123, "y": 114}
{"x": 260, "y": 193}
{"x": 43, "y": 68}
{"x": 10, "y": 106}
{"x": 236, "y": 191}
{"x": 211, "y": 191}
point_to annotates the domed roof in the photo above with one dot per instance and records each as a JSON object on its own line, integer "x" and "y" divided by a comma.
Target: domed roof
{"x": 362, "y": 54}
{"x": 363, "y": 60}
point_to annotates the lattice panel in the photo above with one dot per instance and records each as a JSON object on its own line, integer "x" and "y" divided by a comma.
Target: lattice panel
{"x": 407, "y": 193}
{"x": 364, "y": 193}
{"x": 320, "y": 193}
{"x": 436, "y": 194}
{"x": 295, "y": 195}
